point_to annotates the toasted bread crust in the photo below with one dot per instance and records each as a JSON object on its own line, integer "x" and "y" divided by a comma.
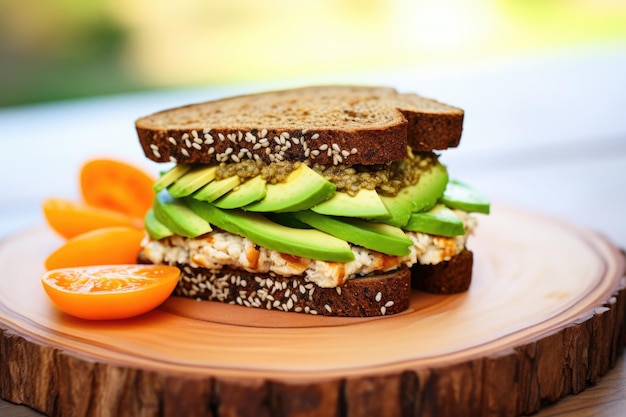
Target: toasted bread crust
{"x": 376, "y": 295}
{"x": 451, "y": 277}
{"x": 325, "y": 124}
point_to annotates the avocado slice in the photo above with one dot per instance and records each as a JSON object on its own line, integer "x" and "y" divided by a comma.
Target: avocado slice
{"x": 439, "y": 220}
{"x": 380, "y": 237}
{"x": 365, "y": 204}
{"x": 303, "y": 189}
{"x": 243, "y": 194}
{"x": 178, "y": 217}
{"x": 461, "y": 196}
{"x": 170, "y": 176}
{"x": 287, "y": 219}
{"x": 307, "y": 243}
{"x": 420, "y": 196}
{"x": 154, "y": 227}
{"x": 216, "y": 189}
{"x": 192, "y": 181}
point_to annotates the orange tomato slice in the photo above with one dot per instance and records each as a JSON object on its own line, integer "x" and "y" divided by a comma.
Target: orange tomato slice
{"x": 70, "y": 219}
{"x": 106, "y": 246}
{"x": 110, "y": 291}
{"x": 117, "y": 186}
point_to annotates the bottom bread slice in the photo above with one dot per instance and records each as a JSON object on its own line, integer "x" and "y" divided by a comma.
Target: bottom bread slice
{"x": 450, "y": 277}
{"x": 373, "y": 295}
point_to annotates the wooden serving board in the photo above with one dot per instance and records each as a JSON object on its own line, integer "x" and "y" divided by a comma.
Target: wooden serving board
{"x": 545, "y": 316}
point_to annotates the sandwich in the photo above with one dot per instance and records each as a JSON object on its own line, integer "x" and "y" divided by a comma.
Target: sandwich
{"x": 327, "y": 200}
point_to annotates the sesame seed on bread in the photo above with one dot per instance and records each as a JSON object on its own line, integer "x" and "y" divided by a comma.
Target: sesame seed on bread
{"x": 325, "y": 124}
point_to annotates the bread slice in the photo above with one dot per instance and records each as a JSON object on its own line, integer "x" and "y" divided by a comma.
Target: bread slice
{"x": 376, "y": 295}
{"x": 385, "y": 293}
{"x": 451, "y": 277}
{"x": 325, "y": 124}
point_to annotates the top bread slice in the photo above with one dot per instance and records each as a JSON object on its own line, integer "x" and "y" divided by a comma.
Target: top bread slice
{"x": 324, "y": 124}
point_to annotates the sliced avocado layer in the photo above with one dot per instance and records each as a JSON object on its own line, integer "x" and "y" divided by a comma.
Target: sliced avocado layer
{"x": 420, "y": 196}
{"x": 243, "y": 194}
{"x": 439, "y": 220}
{"x": 305, "y": 215}
{"x": 303, "y": 189}
{"x": 365, "y": 204}
{"x": 178, "y": 217}
{"x": 307, "y": 243}
{"x": 376, "y": 236}
{"x": 461, "y": 196}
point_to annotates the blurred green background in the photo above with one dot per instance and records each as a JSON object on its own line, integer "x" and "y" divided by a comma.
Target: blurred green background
{"x": 60, "y": 49}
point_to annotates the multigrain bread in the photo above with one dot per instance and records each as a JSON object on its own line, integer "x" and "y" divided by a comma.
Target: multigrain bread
{"x": 368, "y": 296}
{"x": 372, "y": 295}
{"x": 380, "y": 294}
{"x": 346, "y": 126}
{"x": 327, "y": 124}
{"x": 450, "y": 277}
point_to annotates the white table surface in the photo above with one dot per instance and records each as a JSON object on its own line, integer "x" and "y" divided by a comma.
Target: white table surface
{"x": 543, "y": 132}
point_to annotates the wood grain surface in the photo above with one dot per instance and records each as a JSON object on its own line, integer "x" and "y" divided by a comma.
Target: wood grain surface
{"x": 544, "y": 318}
{"x": 604, "y": 399}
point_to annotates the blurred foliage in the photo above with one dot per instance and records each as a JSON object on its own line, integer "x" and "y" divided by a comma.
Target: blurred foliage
{"x": 569, "y": 21}
{"x": 58, "y": 49}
